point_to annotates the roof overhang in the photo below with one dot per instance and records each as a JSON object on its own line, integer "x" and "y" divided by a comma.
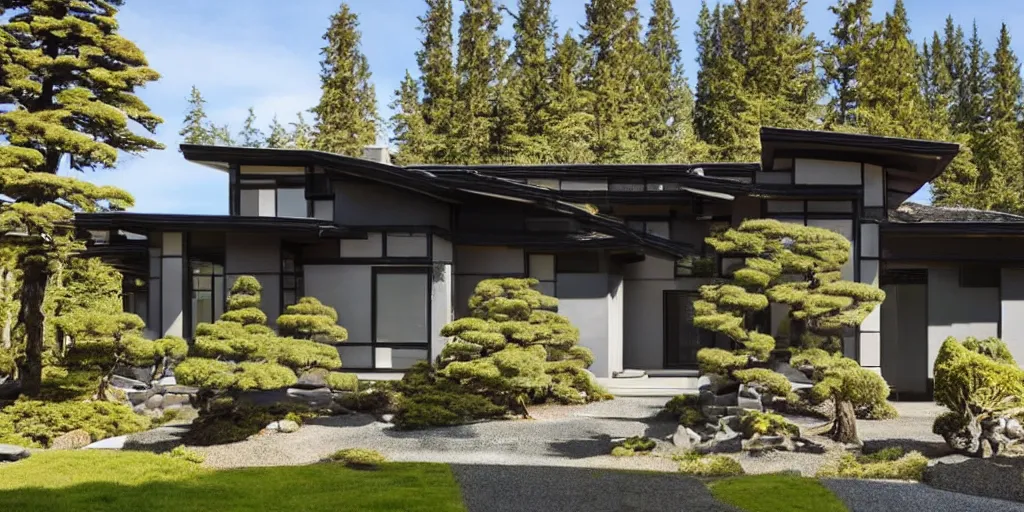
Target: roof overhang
{"x": 159, "y": 222}
{"x": 959, "y": 229}
{"x": 909, "y": 163}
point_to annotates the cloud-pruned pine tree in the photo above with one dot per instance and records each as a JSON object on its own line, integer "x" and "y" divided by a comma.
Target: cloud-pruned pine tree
{"x": 69, "y": 81}
{"x": 346, "y": 116}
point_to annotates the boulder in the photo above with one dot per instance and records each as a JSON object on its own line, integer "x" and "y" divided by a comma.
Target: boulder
{"x": 139, "y": 397}
{"x": 312, "y": 380}
{"x": 155, "y": 402}
{"x": 11, "y": 453}
{"x": 712, "y": 411}
{"x": 727, "y": 399}
{"x": 685, "y": 438}
{"x": 1014, "y": 430}
{"x": 138, "y": 374}
{"x": 706, "y": 397}
{"x": 110, "y": 443}
{"x": 175, "y": 400}
{"x": 181, "y": 390}
{"x": 749, "y": 403}
{"x": 704, "y": 383}
{"x": 317, "y": 398}
{"x": 167, "y": 381}
{"x": 725, "y": 441}
{"x": 760, "y": 444}
{"x": 387, "y": 418}
{"x": 283, "y": 426}
{"x": 804, "y": 445}
{"x": 120, "y": 381}
{"x": 730, "y": 422}
{"x": 72, "y": 440}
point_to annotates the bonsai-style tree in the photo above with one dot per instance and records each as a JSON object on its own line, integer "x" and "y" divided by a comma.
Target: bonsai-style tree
{"x": 311, "y": 320}
{"x": 239, "y": 352}
{"x": 102, "y": 341}
{"x": 516, "y": 348}
{"x": 799, "y": 266}
{"x": 983, "y": 388}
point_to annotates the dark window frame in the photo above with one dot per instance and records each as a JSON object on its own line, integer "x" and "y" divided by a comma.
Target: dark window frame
{"x": 565, "y": 265}
{"x": 979, "y": 276}
{"x": 373, "y": 344}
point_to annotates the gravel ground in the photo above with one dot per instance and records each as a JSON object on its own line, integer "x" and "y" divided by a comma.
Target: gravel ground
{"x": 581, "y": 439}
{"x": 885, "y": 496}
{"x": 557, "y": 489}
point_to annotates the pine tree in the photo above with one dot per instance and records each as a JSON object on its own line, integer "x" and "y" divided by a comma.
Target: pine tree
{"x": 999, "y": 152}
{"x": 411, "y": 135}
{"x": 346, "y": 117}
{"x": 437, "y": 72}
{"x": 479, "y": 57}
{"x": 301, "y": 136}
{"x": 69, "y": 84}
{"x": 719, "y": 108}
{"x": 523, "y": 115}
{"x": 954, "y": 52}
{"x": 977, "y": 85}
{"x": 850, "y": 36}
{"x": 890, "y": 101}
{"x": 616, "y": 62}
{"x": 197, "y": 129}
{"x": 250, "y": 136}
{"x": 937, "y": 83}
{"x": 780, "y": 86}
{"x": 278, "y": 136}
{"x": 670, "y": 136}
{"x": 569, "y": 132}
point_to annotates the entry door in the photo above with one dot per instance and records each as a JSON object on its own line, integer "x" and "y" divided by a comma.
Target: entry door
{"x": 905, "y": 333}
{"x": 682, "y": 339}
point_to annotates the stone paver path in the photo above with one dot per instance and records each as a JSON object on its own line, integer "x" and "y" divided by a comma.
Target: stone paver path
{"x": 564, "y": 489}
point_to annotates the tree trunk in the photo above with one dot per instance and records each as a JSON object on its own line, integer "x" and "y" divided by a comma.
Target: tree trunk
{"x": 844, "y": 427}
{"x": 8, "y": 320}
{"x": 33, "y": 291}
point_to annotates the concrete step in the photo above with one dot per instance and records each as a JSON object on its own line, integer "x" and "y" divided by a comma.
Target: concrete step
{"x": 650, "y": 386}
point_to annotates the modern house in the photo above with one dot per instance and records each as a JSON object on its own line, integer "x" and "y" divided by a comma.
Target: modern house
{"x": 398, "y": 250}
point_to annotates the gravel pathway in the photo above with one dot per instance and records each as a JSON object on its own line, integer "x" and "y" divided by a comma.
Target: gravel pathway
{"x": 581, "y": 439}
{"x": 557, "y": 489}
{"x": 885, "y": 496}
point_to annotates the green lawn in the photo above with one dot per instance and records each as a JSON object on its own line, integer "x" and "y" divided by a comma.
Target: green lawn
{"x": 772, "y": 493}
{"x": 133, "y": 481}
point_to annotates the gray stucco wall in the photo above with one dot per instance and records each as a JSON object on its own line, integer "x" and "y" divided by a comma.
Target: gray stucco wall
{"x": 258, "y": 256}
{"x": 584, "y": 299}
{"x": 476, "y": 263}
{"x": 369, "y": 204}
{"x": 958, "y": 312}
{"x": 441, "y": 311}
{"x": 1013, "y": 311}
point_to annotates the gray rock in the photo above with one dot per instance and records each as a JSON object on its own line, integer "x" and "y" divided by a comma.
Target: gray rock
{"x": 685, "y": 438}
{"x": 760, "y": 443}
{"x": 749, "y": 392}
{"x": 120, "y": 381}
{"x": 726, "y": 442}
{"x": 804, "y": 445}
{"x": 167, "y": 381}
{"x": 284, "y": 426}
{"x": 730, "y": 422}
{"x": 726, "y": 399}
{"x": 704, "y": 383}
{"x": 706, "y": 397}
{"x": 1014, "y": 430}
{"x": 141, "y": 374}
{"x": 316, "y": 398}
{"x": 72, "y": 440}
{"x": 750, "y": 403}
{"x": 312, "y": 380}
{"x": 734, "y": 410}
{"x": 155, "y": 402}
{"x": 139, "y": 397}
{"x": 110, "y": 443}
{"x": 387, "y": 418}
{"x": 712, "y": 411}
{"x": 181, "y": 390}
{"x": 11, "y": 453}
{"x": 176, "y": 400}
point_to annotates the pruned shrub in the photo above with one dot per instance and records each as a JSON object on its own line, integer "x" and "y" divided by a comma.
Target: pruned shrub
{"x": 685, "y": 409}
{"x": 312, "y": 320}
{"x": 31, "y": 422}
{"x": 877, "y": 411}
{"x": 720, "y": 361}
{"x": 850, "y": 387}
{"x": 978, "y": 389}
{"x": 695, "y": 464}
{"x": 343, "y": 381}
{"x": 765, "y": 379}
{"x": 186, "y": 454}
{"x": 7, "y": 364}
{"x": 889, "y": 465}
{"x": 444, "y": 408}
{"x": 993, "y": 348}
{"x": 633, "y": 445}
{"x": 766, "y": 424}
{"x": 359, "y": 458}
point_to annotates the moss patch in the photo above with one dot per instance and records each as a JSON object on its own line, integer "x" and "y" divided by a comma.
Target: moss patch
{"x": 772, "y": 493}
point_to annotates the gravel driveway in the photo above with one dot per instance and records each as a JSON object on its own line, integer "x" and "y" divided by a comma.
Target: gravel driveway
{"x": 885, "y": 496}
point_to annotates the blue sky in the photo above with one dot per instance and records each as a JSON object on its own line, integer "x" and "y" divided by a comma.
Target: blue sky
{"x": 243, "y": 53}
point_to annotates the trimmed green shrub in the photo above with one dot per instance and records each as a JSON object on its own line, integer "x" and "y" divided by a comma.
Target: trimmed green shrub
{"x": 7, "y": 364}
{"x": 993, "y": 348}
{"x": 312, "y": 320}
{"x": 38, "y": 423}
{"x": 850, "y": 387}
{"x": 719, "y": 361}
{"x": 180, "y": 452}
{"x": 239, "y": 352}
{"x": 685, "y": 409}
{"x": 638, "y": 444}
{"x": 877, "y": 411}
{"x": 622, "y": 451}
{"x": 766, "y": 424}
{"x": 881, "y": 465}
{"x": 775, "y": 383}
{"x": 343, "y": 381}
{"x": 444, "y": 408}
{"x": 695, "y": 464}
{"x": 359, "y": 458}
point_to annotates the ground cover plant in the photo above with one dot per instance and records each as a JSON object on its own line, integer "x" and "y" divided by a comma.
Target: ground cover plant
{"x": 696, "y": 464}
{"x": 890, "y": 464}
{"x": 773, "y": 493}
{"x": 101, "y": 481}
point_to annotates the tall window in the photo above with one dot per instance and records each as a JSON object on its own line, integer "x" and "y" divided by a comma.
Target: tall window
{"x": 207, "y": 291}
{"x": 291, "y": 278}
{"x": 401, "y": 316}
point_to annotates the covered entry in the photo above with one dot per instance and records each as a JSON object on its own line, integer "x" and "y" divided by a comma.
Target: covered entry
{"x": 682, "y": 339}
{"x": 905, "y": 332}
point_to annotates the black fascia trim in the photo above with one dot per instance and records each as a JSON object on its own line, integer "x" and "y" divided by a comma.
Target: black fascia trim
{"x": 186, "y": 222}
{"x": 590, "y": 171}
{"x": 857, "y": 140}
{"x": 954, "y": 228}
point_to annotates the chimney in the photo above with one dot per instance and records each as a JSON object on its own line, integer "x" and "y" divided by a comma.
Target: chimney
{"x": 378, "y": 154}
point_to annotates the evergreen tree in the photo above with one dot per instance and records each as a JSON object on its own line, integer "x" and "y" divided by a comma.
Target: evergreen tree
{"x": 780, "y": 86}
{"x": 480, "y": 55}
{"x": 954, "y": 53}
{"x": 616, "y": 62}
{"x": 569, "y": 131}
{"x": 437, "y": 72}
{"x": 525, "y": 115}
{"x": 850, "y": 38}
{"x": 411, "y": 133}
{"x": 301, "y": 136}
{"x": 976, "y": 85}
{"x": 890, "y": 101}
{"x": 346, "y": 117}
{"x": 197, "y": 129}
{"x": 278, "y": 136}
{"x": 937, "y": 83}
{"x": 250, "y": 136}
{"x": 719, "y": 108}
{"x": 670, "y": 126}
{"x": 69, "y": 84}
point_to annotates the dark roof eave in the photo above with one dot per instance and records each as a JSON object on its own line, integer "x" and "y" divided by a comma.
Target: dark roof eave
{"x": 145, "y": 222}
{"x": 857, "y": 140}
{"x": 954, "y": 228}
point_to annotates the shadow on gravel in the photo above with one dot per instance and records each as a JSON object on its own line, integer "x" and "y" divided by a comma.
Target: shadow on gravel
{"x": 600, "y": 444}
{"x": 457, "y": 432}
{"x": 997, "y": 477}
{"x": 557, "y": 489}
{"x": 345, "y": 421}
{"x": 885, "y": 496}
{"x": 930, "y": 449}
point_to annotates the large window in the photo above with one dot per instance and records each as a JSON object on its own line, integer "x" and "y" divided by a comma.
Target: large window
{"x": 401, "y": 317}
{"x": 207, "y": 291}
